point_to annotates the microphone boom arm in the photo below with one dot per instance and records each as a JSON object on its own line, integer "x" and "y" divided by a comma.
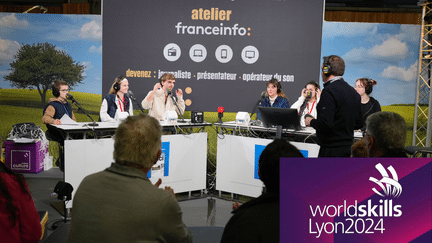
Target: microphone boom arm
{"x": 94, "y": 124}
{"x": 178, "y": 109}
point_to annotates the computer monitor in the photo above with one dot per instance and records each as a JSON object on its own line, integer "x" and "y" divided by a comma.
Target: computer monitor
{"x": 280, "y": 117}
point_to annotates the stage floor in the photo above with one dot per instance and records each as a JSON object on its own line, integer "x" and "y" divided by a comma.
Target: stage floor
{"x": 198, "y": 210}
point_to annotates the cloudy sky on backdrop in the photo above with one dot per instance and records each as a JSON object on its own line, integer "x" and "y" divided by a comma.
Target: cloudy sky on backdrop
{"x": 387, "y": 53}
{"x": 78, "y": 35}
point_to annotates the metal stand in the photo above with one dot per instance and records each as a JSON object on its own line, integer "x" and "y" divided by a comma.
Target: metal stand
{"x": 422, "y": 123}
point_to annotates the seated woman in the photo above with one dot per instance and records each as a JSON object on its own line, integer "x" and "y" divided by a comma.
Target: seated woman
{"x": 369, "y": 105}
{"x": 19, "y": 219}
{"x": 274, "y": 97}
{"x": 116, "y": 105}
{"x": 307, "y": 105}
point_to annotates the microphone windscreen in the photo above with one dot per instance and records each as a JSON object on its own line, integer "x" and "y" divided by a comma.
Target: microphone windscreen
{"x": 220, "y": 109}
{"x": 263, "y": 94}
{"x": 309, "y": 95}
{"x": 69, "y": 96}
{"x": 130, "y": 94}
{"x": 169, "y": 92}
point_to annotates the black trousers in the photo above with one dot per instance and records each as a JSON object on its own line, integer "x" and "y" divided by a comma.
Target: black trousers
{"x": 344, "y": 151}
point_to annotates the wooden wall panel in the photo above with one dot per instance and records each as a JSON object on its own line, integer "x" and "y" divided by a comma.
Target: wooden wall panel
{"x": 373, "y": 17}
{"x": 23, "y": 8}
{"x": 76, "y": 8}
{"x": 67, "y": 8}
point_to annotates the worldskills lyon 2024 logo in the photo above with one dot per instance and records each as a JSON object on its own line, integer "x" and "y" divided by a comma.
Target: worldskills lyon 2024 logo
{"x": 367, "y": 218}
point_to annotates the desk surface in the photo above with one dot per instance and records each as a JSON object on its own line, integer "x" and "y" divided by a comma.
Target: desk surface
{"x": 304, "y": 131}
{"x": 86, "y": 126}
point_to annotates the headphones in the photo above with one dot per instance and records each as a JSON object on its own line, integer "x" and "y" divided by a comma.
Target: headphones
{"x": 116, "y": 85}
{"x": 55, "y": 91}
{"x": 368, "y": 88}
{"x": 279, "y": 87}
{"x": 326, "y": 69}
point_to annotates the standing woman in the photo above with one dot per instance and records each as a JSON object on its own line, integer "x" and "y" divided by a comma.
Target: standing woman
{"x": 275, "y": 96}
{"x": 116, "y": 105}
{"x": 307, "y": 104}
{"x": 369, "y": 105}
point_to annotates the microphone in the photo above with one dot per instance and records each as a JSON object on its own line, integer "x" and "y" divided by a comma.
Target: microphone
{"x": 220, "y": 113}
{"x": 263, "y": 95}
{"x": 131, "y": 95}
{"x": 70, "y": 97}
{"x": 173, "y": 96}
{"x": 308, "y": 96}
{"x": 174, "y": 99}
{"x": 303, "y": 106}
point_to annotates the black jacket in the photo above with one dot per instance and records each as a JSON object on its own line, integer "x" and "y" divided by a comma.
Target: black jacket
{"x": 368, "y": 109}
{"x": 338, "y": 114}
{"x": 255, "y": 221}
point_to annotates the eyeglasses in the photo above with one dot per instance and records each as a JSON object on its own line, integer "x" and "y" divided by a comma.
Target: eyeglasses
{"x": 359, "y": 86}
{"x": 64, "y": 90}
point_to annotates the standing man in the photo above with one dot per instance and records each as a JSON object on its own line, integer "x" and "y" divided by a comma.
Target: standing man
{"x": 339, "y": 111}
{"x": 120, "y": 204}
{"x": 160, "y": 99}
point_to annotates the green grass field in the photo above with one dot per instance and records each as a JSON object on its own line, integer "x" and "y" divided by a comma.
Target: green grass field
{"x": 22, "y": 105}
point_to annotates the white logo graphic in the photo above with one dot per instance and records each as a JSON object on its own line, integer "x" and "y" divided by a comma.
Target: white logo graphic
{"x": 224, "y": 53}
{"x": 198, "y": 53}
{"x": 387, "y": 189}
{"x": 172, "y": 52}
{"x": 250, "y": 54}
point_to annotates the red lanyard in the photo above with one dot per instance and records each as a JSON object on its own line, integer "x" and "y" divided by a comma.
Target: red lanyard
{"x": 310, "y": 110}
{"x": 120, "y": 104}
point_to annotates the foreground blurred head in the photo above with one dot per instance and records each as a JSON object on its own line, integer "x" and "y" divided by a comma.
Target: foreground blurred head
{"x": 138, "y": 141}
{"x": 385, "y": 132}
{"x": 268, "y": 163}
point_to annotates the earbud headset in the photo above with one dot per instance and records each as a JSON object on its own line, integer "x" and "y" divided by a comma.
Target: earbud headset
{"x": 326, "y": 69}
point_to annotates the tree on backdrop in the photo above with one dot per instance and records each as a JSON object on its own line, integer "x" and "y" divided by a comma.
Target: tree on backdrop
{"x": 40, "y": 65}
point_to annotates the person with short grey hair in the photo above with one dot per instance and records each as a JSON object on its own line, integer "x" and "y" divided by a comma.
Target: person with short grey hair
{"x": 385, "y": 135}
{"x": 120, "y": 204}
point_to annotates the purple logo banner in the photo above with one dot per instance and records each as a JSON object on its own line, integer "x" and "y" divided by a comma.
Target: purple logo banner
{"x": 356, "y": 200}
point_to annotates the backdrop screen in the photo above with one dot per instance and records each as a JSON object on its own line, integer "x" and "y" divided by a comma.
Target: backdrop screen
{"x": 221, "y": 52}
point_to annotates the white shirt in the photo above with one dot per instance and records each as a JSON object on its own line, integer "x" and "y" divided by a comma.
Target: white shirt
{"x": 119, "y": 115}
{"x": 310, "y": 109}
{"x": 157, "y": 106}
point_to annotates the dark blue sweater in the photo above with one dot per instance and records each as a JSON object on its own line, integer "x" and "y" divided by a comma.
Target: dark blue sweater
{"x": 60, "y": 109}
{"x": 112, "y": 106}
{"x": 338, "y": 114}
{"x": 280, "y": 102}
